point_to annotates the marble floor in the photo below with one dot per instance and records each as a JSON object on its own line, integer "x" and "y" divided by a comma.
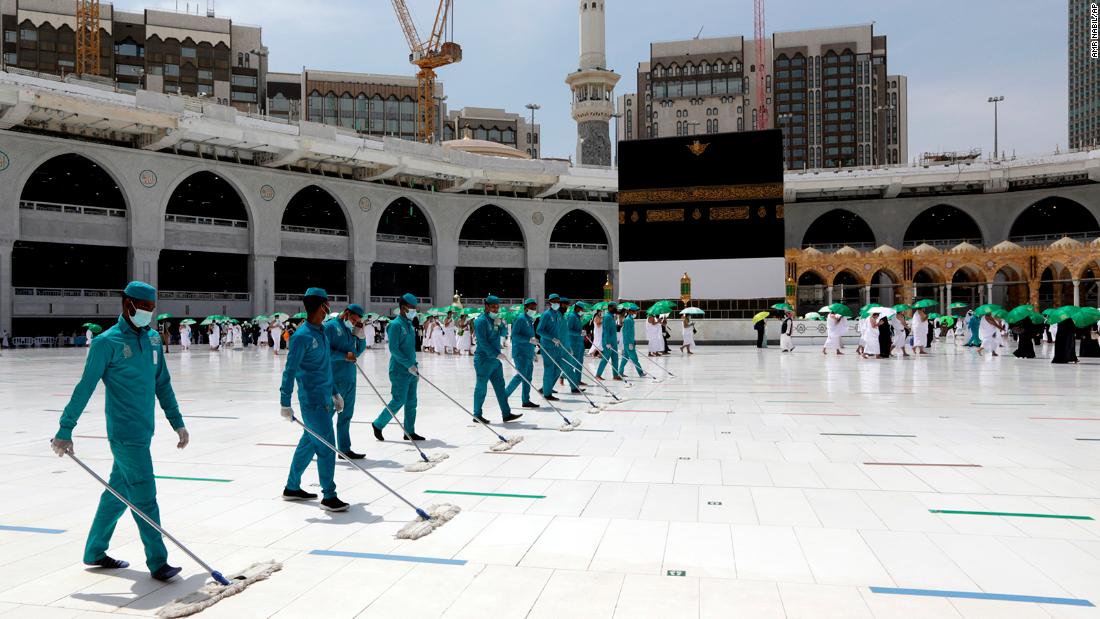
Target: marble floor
{"x": 753, "y": 483}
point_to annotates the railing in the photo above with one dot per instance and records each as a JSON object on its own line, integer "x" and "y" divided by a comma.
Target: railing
{"x": 942, "y": 243}
{"x": 206, "y": 221}
{"x": 401, "y": 238}
{"x": 308, "y": 230}
{"x": 67, "y": 292}
{"x": 183, "y": 295}
{"x": 1047, "y": 239}
{"x": 295, "y": 298}
{"x": 76, "y": 209}
{"x": 493, "y": 244}
{"x": 831, "y": 247}
{"x": 395, "y": 300}
{"x": 588, "y": 246}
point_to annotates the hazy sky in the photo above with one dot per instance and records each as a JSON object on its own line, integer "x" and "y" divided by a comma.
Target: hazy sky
{"x": 956, "y": 53}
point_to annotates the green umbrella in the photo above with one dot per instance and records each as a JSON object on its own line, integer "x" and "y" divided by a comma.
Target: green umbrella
{"x": 988, "y": 308}
{"x": 164, "y": 316}
{"x": 602, "y": 305}
{"x": 1001, "y": 313}
{"x": 261, "y": 318}
{"x": 586, "y": 317}
{"x": 1086, "y": 316}
{"x": 869, "y": 307}
{"x": 1018, "y": 313}
{"x": 299, "y": 315}
{"x": 837, "y": 308}
{"x": 661, "y": 307}
{"x": 948, "y": 321}
{"x": 812, "y": 316}
{"x": 923, "y": 303}
{"x": 629, "y": 306}
{"x": 93, "y": 327}
{"x": 783, "y": 307}
{"x": 901, "y": 307}
{"x": 957, "y": 305}
{"x": 692, "y": 311}
{"x": 933, "y": 316}
{"x": 280, "y": 316}
{"x": 187, "y": 321}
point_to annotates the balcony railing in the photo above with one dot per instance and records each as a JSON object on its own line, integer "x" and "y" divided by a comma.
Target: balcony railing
{"x": 401, "y": 238}
{"x": 76, "y": 209}
{"x": 308, "y": 230}
{"x": 582, "y": 246}
{"x": 395, "y": 300}
{"x": 492, "y": 244}
{"x": 942, "y": 243}
{"x": 295, "y": 298}
{"x": 67, "y": 292}
{"x": 185, "y": 295}
{"x": 1047, "y": 239}
{"x": 831, "y": 247}
{"x": 206, "y": 221}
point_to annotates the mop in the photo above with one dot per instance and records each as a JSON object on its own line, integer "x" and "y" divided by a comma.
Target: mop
{"x": 594, "y": 409}
{"x": 569, "y": 425}
{"x": 430, "y": 520}
{"x": 210, "y": 593}
{"x": 505, "y": 443}
{"x": 616, "y": 398}
{"x": 414, "y": 467}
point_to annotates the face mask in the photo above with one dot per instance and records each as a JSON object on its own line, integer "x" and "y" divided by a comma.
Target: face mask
{"x": 493, "y": 315}
{"x": 554, "y": 306}
{"x": 141, "y": 318}
{"x": 350, "y": 325}
{"x": 410, "y": 314}
{"x": 531, "y": 313}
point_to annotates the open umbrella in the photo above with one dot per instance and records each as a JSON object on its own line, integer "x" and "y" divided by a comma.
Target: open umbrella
{"x": 630, "y": 306}
{"x": 1001, "y": 313}
{"x": 1086, "y": 316}
{"x": 948, "y": 321}
{"x": 760, "y": 316}
{"x": 957, "y": 305}
{"x": 837, "y": 308}
{"x": 901, "y": 307}
{"x": 164, "y": 316}
{"x": 660, "y": 307}
{"x": 692, "y": 311}
{"x": 783, "y": 307}
{"x": 187, "y": 321}
{"x": 93, "y": 327}
{"x": 587, "y": 317}
{"x": 812, "y": 316}
{"x": 988, "y": 308}
{"x": 933, "y": 316}
{"x": 260, "y": 318}
{"x": 884, "y": 311}
{"x": 923, "y": 303}
{"x": 1018, "y": 313}
{"x": 280, "y": 316}
{"x": 869, "y": 306}
{"x": 299, "y": 315}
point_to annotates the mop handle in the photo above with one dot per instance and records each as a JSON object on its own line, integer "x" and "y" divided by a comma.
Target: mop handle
{"x": 464, "y": 409}
{"x": 524, "y": 378}
{"x": 595, "y": 378}
{"x": 584, "y": 394}
{"x": 147, "y": 519}
{"x": 662, "y": 368}
{"x": 386, "y": 406}
{"x": 353, "y": 463}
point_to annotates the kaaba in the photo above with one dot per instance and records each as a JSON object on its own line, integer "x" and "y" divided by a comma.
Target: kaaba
{"x": 715, "y": 200}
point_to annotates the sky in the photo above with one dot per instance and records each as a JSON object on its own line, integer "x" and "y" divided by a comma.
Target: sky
{"x": 955, "y": 53}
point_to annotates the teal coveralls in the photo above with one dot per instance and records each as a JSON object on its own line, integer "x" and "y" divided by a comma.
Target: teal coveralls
{"x": 610, "y": 338}
{"x": 129, "y": 363}
{"x": 630, "y": 348}
{"x": 402, "y": 344}
{"x": 523, "y": 355}
{"x": 575, "y": 342}
{"x": 548, "y": 332}
{"x": 308, "y": 363}
{"x": 487, "y": 366}
{"x": 341, "y": 341}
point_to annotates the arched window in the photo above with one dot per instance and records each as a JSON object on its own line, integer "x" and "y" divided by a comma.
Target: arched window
{"x": 347, "y": 113}
{"x": 361, "y": 113}
{"x": 330, "y": 109}
{"x": 316, "y": 107}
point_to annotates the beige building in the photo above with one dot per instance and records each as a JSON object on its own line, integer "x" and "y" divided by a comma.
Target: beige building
{"x": 494, "y": 125}
{"x": 826, "y": 88}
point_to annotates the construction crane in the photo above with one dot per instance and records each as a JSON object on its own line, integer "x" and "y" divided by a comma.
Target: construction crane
{"x": 87, "y": 37}
{"x": 436, "y": 51}
{"x": 761, "y": 66}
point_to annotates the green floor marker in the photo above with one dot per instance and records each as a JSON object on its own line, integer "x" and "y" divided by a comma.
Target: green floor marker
{"x": 676, "y": 573}
{"x": 1009, "y": 514}
{"x": 509, "y": 496}
{"x": 217, "y": 481}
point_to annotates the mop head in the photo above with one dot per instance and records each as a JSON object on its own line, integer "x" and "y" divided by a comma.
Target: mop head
{"x": 569, "y": 426}
{"x": 438, "y": 514}
{"x": 627, "y": 385}
{"x": 420, "y": 466}
{"x": 505, "y": 445}
{"x": 211, "y": 593}
{"x": 594, "y": 410}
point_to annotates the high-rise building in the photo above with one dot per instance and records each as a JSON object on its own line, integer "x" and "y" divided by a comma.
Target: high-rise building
{"x": 493, "y": 125}
{"x": 1084, "y": 74}
{"x": 593, "y": 86}
{"x": 827, "y": 90}
{"x": 162, "y": 51}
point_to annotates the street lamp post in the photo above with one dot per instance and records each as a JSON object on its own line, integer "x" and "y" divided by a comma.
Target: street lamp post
{"x": 439, "y": 112}
{"x": 532, "y": 142}
{"x": 996, "y": 145}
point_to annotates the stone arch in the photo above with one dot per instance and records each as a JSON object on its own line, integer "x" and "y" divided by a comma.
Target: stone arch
{"x": 1055, "y": 289}
{"x": 977, "y": 274}
{"x": 486, "y": 214}
{"x": 854, "y": 229}
{"x": 92, "y": 157}
{"x": 424, "y": 213}
{"x": 580, "y": 216}
{"x": 823, "y": 281}
{"x": 934, "y": 274}
{"x": 879, "y": 290}
{"x": 1053, "y": 215}
{"x": 854, "y": 273}
{"x": 943, "y": 222}
{"x": 234, "y": 184}
{"x": 307, "y": 208}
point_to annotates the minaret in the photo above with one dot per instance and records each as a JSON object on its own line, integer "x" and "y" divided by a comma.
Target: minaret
{"x": 593, "y": 88}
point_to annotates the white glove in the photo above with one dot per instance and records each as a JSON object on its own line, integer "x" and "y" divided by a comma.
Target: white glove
{"x": 185, "y": 438}
{"x": 412, "y": 370}
{"x": 287, "y": 413}
{"x": 61, "y": 447}
{"x": 535, "y": 341}
{"x": 557, "y": 342}
{"x": 337, "y": 402}
{"x": 359, "y": 333}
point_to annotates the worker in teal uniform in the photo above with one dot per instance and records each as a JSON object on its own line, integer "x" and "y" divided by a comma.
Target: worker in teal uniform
{"x": 550, "y": 344}
{"x": 575, "y": 341}
{"x": 610, "y": 339}
{"x": 308, "y": 364}
{"x": 404, "y": 376}
{"x": 346, "y": 341}
{"x": 630, "y": 348}
{"x": 523, "y": 352}
{"x": 488, "y": 330}
{"x": 127, "y": 359}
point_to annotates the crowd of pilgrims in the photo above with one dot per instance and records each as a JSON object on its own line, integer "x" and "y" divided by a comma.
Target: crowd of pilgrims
{"x": 883, "y": 337}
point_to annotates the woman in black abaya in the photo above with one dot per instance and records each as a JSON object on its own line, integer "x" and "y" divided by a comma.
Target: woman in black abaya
{"x": 1090, "y": 346}
{"x": 1025, "y": 332}
{"x": 1064, "y": 343}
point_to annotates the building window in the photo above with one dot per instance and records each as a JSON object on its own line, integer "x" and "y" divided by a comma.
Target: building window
{"x": 508, "y": 136}
{"x": 172, "y": 70}
{"x": 11, "y": 36}
{"x": 347, "y": 116}
{"x": 244, "y": 81}
{"x": 128, "y": 70}
{"x": 205, "y": 90}
{"x": 206, "y": 75}
{"x": 188, "y": 52}
{"x": 28, "y": 34}
{"x": 247, "y": 97}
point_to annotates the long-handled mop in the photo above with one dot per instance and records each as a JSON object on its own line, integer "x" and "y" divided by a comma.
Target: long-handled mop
{"x": 569, "y": 425}
{"x": 614, "y": 396}
{"x": 414, "y": 467}
{"x": 505, "y": 443}
{"x": 430, "y": 520}
{"x": 210, "y": 593}
{"x": 594, "y": 408}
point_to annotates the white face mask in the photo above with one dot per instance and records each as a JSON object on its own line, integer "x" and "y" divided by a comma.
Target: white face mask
{"x": 554, "y": 306}
{"x": 349, "y": 325}
{"x": 532, "y": 313}
{"x": 410, "y": 314}
{"x": 493, "y": 315}
{"x": 141, "y": 318}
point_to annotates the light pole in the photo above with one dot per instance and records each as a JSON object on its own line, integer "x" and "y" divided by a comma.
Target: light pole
{"x": 784, "y": 125}
{"x": 996, "y": 146}
{"x": 532, "y": 142}
{"x": 261, "y": 80}
{"x": 439, "y": 111}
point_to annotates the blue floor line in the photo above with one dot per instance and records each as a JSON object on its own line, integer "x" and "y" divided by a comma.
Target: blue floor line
{"x": 4, "y": 527}
{"x": 386, "y": 557}
{"x": 975, "y": 595}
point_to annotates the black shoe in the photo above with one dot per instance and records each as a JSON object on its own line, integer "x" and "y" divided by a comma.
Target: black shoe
{"x": 377, "y": 432}
{"x": 550, "y": 398}
{"x": 298, "y": 495}
{"x": 334, "y": 505}
{"x": 351, "y": 455}
{"x": 530, "y": 405}
{"x": 414, "y": 437}
{"x": 481, "y": 420}
{"x": 166, "y": 573}
{"x": 511, "y": 417}
{"x": 108, "y": 563}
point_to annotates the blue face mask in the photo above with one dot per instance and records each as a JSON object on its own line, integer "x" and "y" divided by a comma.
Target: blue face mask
{"x": 141, "y": 318}
{"x": 554, "y": 306}
{"x": 493, "y": 315}
{"x": 350, "y": 325}
{"x": 531, "y": 313}
{"x": 410, "y": 314}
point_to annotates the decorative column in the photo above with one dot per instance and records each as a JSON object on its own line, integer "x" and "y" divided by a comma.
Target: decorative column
{"x": 866, "y": 295}
{"x": 989, "y": 292}
{"x": 1077, "y": 292}
{"x": 359, "y": 282}
{"x": 1033, "y": 292}
{"x": 143, "y": 264}
{"x": 947, "y": 299}
{"x": 443, "y": 283}
{"x": 828, "y": 295}
{"x": 536, "y": 284}
{"x": 7, "y": 293}
{"x": 262, "y": 284}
